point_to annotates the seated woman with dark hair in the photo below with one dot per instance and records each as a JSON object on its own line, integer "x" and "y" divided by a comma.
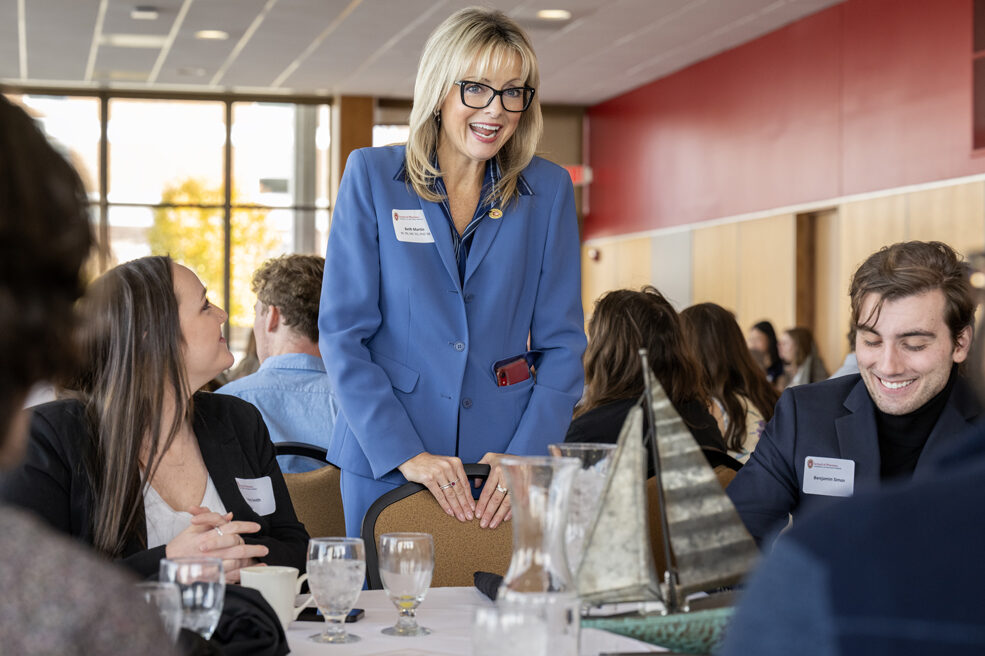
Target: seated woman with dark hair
{"x": 623, "y": 322}
{"x": 142, "y": 467}
{"x": 738, "y": 386}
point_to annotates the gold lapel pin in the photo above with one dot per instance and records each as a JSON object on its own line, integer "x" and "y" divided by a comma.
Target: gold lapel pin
{"x": 495, "y": 213}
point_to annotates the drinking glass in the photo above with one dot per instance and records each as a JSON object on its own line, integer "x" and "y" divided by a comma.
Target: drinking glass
{"x": 165, "y": 598}
{"x": 202, "y": 584}
{"x": 336, "y": 570}
{"x": 406, "y": 565}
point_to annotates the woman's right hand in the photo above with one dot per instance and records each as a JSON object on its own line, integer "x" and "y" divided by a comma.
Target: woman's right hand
{"x": 212, "y": 534}
{"x": 445, "y": 477}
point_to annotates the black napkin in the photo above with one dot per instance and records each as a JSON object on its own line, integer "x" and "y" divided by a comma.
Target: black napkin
{"x": 249, "y": 626}
{"x": 487, "y": 583}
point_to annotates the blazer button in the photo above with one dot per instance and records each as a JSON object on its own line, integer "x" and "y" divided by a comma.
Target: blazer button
{"x": 466, "y": 403}
{"x": 459, "y": 346}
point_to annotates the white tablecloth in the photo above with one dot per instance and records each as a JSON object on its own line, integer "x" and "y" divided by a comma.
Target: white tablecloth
{"x": 447, "y": 612}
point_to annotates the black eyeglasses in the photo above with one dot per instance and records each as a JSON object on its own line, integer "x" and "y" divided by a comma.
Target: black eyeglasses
{"x": 478, "y": 96}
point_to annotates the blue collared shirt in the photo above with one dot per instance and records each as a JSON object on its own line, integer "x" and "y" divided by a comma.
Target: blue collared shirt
{"x": 293, "y": 394}
{"x": 462, "y": 243}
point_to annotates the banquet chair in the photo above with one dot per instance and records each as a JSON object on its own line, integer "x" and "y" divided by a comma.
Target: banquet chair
{"x": 316, "y": 495}
{"x": 460, "y": 548}
{"x": 724, "y": 475}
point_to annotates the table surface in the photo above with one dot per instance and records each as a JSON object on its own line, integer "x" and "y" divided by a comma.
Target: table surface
{"x": 448, "y": 612}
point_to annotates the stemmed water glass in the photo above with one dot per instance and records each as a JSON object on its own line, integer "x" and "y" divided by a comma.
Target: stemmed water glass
{"x": 406, "y": 565}
{"x": 336, "y": 570}
{"x": 165, "y": 598}
{"x": 202, "y": 584}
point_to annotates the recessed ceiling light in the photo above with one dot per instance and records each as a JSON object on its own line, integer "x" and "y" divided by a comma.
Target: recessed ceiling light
{"x": 554, "y": 14}
{"x": 192, "y": 71}
{"x": 144, "y": 12}
{"x": 133, "y": 40}
{"x": 214, "y": 35}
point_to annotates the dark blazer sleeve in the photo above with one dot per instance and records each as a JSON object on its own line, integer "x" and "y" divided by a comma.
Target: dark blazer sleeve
{"x": 766, "y": 489}
{"x": 43, "y": 482}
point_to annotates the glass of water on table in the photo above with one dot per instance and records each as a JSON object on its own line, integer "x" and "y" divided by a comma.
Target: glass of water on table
{"x": 336, "y": 570}
{"x": 202, "y": 585}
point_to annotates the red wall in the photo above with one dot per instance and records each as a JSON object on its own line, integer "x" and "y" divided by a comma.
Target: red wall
{"x": 866, "y": 95}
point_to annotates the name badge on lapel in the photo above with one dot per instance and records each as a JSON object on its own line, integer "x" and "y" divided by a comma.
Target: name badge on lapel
{"x": 258, "y": 493}
{"x": 411, "y": 226}
{"x": 832, "y": 477}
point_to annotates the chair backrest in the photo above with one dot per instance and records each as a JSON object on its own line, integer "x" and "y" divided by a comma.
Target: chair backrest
{"x": 724, "y": 474}
{"x": 460, "y": 548}
{"x": 317, "y": 499}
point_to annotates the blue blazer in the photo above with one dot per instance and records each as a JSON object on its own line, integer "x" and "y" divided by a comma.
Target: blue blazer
{"x": 831, "y": 419}
{"x": 410, "y": 350}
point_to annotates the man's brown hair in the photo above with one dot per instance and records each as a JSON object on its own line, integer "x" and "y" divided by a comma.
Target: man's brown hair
{"x": 910, "y": 268}
{"x": 292, "y": 283}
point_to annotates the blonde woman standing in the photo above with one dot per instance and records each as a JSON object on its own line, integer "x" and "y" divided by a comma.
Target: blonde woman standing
{"x": 452, "y": 272}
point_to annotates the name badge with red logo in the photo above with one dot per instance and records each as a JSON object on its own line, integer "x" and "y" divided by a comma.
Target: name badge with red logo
{"x": 832, "y": 477}
{"x": 411, "y": 226}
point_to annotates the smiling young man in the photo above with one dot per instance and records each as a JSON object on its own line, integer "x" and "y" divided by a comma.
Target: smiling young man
{"x": 912, "y": 312}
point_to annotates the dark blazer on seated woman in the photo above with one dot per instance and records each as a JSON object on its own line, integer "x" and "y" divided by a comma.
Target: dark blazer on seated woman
{"x": 603, "y": 423}
{"x": 52, "y": 482}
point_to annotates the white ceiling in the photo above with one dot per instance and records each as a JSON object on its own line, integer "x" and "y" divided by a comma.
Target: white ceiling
{"x": 361, "y": 47}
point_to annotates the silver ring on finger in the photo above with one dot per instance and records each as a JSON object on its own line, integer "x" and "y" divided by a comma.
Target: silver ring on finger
{"x": 500, "y": 488}
{"x": 447, "y": 485}
{"x": 219, "y": 531}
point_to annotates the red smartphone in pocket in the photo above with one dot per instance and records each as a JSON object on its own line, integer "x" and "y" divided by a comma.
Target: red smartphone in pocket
{"x": 512, "y": 371}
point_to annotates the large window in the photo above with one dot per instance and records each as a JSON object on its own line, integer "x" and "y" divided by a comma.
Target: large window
{"x": 220, "y": 185}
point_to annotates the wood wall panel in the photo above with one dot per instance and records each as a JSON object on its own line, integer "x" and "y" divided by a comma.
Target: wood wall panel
{"x": 714, "y": 265}
{"x": 621, "y": 264}
{"x": 830, "y": 296}
{"x": 766, "y": 251}
{"x": 954, "y": 215}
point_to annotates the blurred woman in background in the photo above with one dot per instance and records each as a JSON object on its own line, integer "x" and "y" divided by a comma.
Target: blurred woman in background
{"x": 801, "y": 360}
{"x": 623, "y": 322}
{"x": 743, "y": 398}
{"x": 763, "y": 344}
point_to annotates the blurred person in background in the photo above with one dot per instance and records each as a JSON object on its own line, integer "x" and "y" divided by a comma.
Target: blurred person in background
{"x": 742, "y": 396}
{"x": 761, "y": 340}
{"x": 291, "y": 388}
{"x": 623, "y": 322}
{"x": 58, "y": 597}
{"x": 801, "y": 361}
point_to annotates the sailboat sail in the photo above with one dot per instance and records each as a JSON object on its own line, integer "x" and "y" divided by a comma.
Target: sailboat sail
{"x": 710, "y": 545}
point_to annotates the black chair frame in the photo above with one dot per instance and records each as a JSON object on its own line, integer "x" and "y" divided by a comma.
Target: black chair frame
{"x": 402, "y": 492}
{"x": 301, "y": 449}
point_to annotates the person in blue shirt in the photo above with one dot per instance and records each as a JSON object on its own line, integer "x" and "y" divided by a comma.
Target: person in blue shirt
{"x": 290, "y": 388}
{"x": 451, "y": 323}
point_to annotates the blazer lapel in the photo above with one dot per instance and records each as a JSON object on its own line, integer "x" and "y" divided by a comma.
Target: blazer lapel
{"x": 483, "y": 238}
{"x": 858, "y": 439}
{"x": 211, "y": 440}
{"x": 439, "y": 227}
{"x": 956, "y": 418}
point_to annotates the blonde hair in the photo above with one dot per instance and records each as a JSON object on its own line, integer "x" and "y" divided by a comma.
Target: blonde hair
{"x": 474, "y": 38}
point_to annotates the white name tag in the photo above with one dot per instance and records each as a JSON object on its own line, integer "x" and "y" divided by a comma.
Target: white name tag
{"x": 831, "y": 477}
{"x": 259, "y": 493}
{"x": 411, "y": 226}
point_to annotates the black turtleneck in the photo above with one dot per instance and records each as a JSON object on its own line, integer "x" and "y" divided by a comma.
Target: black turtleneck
{"x": 902, "y": 437}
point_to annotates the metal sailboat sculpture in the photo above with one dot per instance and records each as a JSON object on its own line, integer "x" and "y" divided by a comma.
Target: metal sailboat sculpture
{"x": 705, "y": 544}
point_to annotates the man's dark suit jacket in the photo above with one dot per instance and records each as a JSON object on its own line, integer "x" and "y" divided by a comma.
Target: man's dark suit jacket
{"x": 831, "y": 419}
{"x": 52, "y": 482}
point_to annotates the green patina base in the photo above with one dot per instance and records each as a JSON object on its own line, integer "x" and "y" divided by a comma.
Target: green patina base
{"x": 697, "y": 632}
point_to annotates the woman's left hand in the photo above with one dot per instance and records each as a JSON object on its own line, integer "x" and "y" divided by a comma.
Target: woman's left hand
{"x": 494, "y": 502}
{"x": 226, "y": 542}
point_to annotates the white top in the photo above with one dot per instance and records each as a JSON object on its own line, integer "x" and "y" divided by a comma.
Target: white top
{"x": 164, "y": 523}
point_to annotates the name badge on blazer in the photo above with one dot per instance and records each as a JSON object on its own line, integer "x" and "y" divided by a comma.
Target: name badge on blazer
{"x": 832, "y": 477}
{"x": 258, "y": 493}
{"x": 411, "y": 226}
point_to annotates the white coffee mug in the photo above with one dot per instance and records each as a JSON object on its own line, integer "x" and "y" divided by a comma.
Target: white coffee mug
{"x": 279, "y": 586}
